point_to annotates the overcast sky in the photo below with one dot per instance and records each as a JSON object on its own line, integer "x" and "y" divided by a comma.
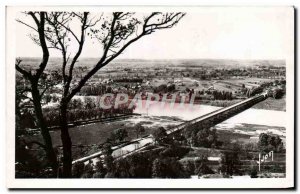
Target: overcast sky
{"x": 216, "y": 33}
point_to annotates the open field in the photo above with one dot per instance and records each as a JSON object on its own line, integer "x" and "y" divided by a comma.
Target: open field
{"x": 197, "y": 84}
{"x": 199, "y": 151}
{"x": 220, "y": 103}
{"x": 97, "y": 133}
{"x": 248, "y": 160}
{"x": 180, "y": 63}
{"x": 268, "y": 104}
{"x": 272, "y": 104}
{"x": 246, "y": 132}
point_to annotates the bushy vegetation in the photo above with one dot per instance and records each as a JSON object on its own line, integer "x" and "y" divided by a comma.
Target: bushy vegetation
{"x": 269, "y": 143}
{"x": 156, "y": 163}
{"x": 230, "y": 161}
{"x": 95, "y": 90}
{"x": 205, "y": 138}
{"x": 126, "y": 80}
{"x": 164, "y": 88}
{"x": 202, "y": 137}
{"x": 159, "y": 135}
{"x": 254, "y": 91}
{"x": 118, "y": 136}
{"x": 277, "y": 93}
{"x": 31, "y": 163}
{"x": 222, "y": 95}
{"x": 220, "y": 103}
{"x": 201, "y": 166}
{"x": 174, "y": 151}
{"x": 168, "y": 167}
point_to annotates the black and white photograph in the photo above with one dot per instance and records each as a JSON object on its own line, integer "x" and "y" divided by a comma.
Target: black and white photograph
{"x": 150, "y": 97}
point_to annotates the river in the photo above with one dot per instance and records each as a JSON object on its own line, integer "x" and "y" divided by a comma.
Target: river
{"x": 271, "y": 120}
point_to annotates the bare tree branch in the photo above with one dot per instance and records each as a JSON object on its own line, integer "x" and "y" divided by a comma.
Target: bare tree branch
{"x": 26, "y": 25}
{"x": 25, "y": 73}
{"x": 71, "y": 31}
{"x": 81, "y": 43}
{"x": 169, "y": 21}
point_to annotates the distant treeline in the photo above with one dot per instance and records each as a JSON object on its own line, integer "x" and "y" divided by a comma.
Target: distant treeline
{"x": 254, "y": 91}
{"x": 134, "y": 80}
{"x": 164, "y": 88}
{"x": 95, "y": 90}
{"x": 222, "y": 95}
{"x": 218, "y": 95}
{"x": 275, "y": 93}
{"x": 78, "y": 111}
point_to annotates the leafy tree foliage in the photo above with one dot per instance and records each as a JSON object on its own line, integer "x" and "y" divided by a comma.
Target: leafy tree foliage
{"x": 159, "y": 135}
{"x": 109, "y": 163}
{"x": 277, "y": 93}
{"x": 89, "y": 103}
{"x": 88, "y": 170}
{"x": 254, "y": 91}
{"x": 161, "y": 88}
{"x": 230, "y": 161}
{"x": 140, "y": 166}
{"x": 121, "y": 169}
{"x": 174, "y": 151}
{"x": 100, "y": 171}
{"x": 267, "y": 143}
{"x": 201, "y": 167}
{"x": 253, "y": 173}
{"x": 76, "y": 104}
{"x": 119, "y": 135}
{"x": 206, "y": 138}
{"x": 167, "y": 167}
{"x": 189, "y": 167}
{"x": 77, "y": 169}
{"x": 139, "y": 129}
{"x": 106, "y": 149}
{"x": 94, "y": 90}
{"x": 222, "y": 95}
{"x": 29, "y": 164}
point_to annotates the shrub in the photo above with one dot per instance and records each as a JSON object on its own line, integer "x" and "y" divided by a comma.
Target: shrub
{"x": 77, "y": 169}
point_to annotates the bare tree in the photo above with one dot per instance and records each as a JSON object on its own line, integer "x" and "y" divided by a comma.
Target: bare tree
{"x": 34, "y": 78}
{"x": 114, "y": 32}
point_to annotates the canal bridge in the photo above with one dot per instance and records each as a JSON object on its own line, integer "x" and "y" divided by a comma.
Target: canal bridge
{"x": 204, "y": 121}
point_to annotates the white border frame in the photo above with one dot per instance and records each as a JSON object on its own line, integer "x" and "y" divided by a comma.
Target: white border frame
{"x": 11, "y": 182}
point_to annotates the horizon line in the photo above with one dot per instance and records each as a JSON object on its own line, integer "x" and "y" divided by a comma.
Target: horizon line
{"x": 156, "y": 59}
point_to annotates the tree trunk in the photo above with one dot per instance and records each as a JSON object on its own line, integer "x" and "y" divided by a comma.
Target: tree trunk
{"x": 50, "y": 153}
{"x": 66, "y": 142}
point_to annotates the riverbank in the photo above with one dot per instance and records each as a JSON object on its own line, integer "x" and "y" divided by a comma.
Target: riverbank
{"x": 272, "y": 104}
{"x": 88, "y": 136}
{"x": 87, "y": 122}
{"x": 267, "y": 104}
{"x": 220, "y": 103}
